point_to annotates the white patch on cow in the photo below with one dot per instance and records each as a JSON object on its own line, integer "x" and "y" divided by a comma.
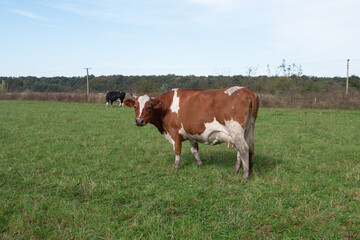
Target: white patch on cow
{"x": 231, "y": 90}
{"x": 216, "y": 133}
{"x": 177, "y": 161}
{"x": 142, "y": 100}
{"x": 175, "y": 105}
{"x": 167, "y": 136}
{"x": 234, "y": 128}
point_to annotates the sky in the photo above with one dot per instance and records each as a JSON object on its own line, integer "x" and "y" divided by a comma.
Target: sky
{"x": 47, "y": 38}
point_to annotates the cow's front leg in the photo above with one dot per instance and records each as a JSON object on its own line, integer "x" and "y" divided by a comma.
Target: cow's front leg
{"x": 194, "y": 146}
{"x": 177, "y": 151}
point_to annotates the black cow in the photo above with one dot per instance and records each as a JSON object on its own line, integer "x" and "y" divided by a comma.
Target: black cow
{"x": 113, "y": 96}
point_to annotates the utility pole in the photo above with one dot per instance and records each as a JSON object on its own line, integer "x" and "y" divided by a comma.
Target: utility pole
{"x": 347, "y": 78}
{"x": 87, "y": 83}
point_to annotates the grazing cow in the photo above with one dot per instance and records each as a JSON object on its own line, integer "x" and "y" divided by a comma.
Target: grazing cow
{"x": 113, "y": 96}
{"x": 203, "y": 116}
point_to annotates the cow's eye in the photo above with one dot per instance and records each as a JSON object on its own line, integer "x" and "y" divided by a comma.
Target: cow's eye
{"x": 149, "y": 108}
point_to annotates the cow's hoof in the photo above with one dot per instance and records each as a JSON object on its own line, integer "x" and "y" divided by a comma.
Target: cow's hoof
{"x": 199, "y": 164}
{"x": 177, "y": 166}
{"x": 244, "y": 180}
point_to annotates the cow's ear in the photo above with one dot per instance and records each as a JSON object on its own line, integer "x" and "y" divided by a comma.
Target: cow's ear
{"x": 129, "y": 103}
{"x": 156, "y": 103}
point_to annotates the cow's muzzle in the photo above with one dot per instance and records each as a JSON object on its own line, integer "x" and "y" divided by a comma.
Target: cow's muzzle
{"x": 139, "y": 122}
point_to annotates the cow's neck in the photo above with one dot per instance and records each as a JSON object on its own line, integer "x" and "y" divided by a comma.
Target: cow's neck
{"x": 156, "y": 120}
{"x": 159, "y": 114}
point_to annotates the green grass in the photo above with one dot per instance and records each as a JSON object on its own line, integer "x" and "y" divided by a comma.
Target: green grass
{"x": 83, "y": 171}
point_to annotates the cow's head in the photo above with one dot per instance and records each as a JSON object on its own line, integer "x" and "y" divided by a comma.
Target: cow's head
{"x": 144, "y": 107}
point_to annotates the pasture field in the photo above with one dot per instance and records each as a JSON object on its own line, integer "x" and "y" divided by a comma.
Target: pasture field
{"x": 83, "y": 171}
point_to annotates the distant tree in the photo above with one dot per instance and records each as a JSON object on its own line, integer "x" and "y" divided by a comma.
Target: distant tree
{"x": 289, "y": 70}
{"x": 354, "y": 81}
{"x": 282, "y": 68}
{"x": 2, "y": 87}
{"x": 203, "y": 83}
{"x": 145, "y": 86}
{"x": 164, "y": 87}
{"x": 292, "y": 81}
{"x": 251, "y": 71}
{"x": 268, "y": 70}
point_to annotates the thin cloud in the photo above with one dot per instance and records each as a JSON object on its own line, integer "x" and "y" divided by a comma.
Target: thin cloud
{"x": 28, "y": 14}
{"x": 318, "y": 29}
{"x": 217, "y": 5}
{"x": 85, "y": 10}
{"x": 112, "y": 12}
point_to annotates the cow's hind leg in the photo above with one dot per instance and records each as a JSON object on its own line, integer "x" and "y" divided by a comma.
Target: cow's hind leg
{"x": 242, "y": 157}
{"x": 194, "y": 146}
{"x": 251, "y": 145}
{"x": 238, "y": 163}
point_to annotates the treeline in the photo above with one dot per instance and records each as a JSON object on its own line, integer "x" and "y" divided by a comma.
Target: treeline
{"x": 162, "y": 83}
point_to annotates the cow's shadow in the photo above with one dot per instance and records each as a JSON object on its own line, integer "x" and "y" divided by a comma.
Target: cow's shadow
{"x": 227, "y": 159}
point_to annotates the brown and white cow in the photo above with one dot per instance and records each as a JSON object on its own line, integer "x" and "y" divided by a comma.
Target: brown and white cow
{"x": 203, "y": 116}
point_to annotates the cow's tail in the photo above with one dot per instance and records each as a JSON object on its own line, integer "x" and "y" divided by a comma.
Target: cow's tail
{"x": 250, "y": 135}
